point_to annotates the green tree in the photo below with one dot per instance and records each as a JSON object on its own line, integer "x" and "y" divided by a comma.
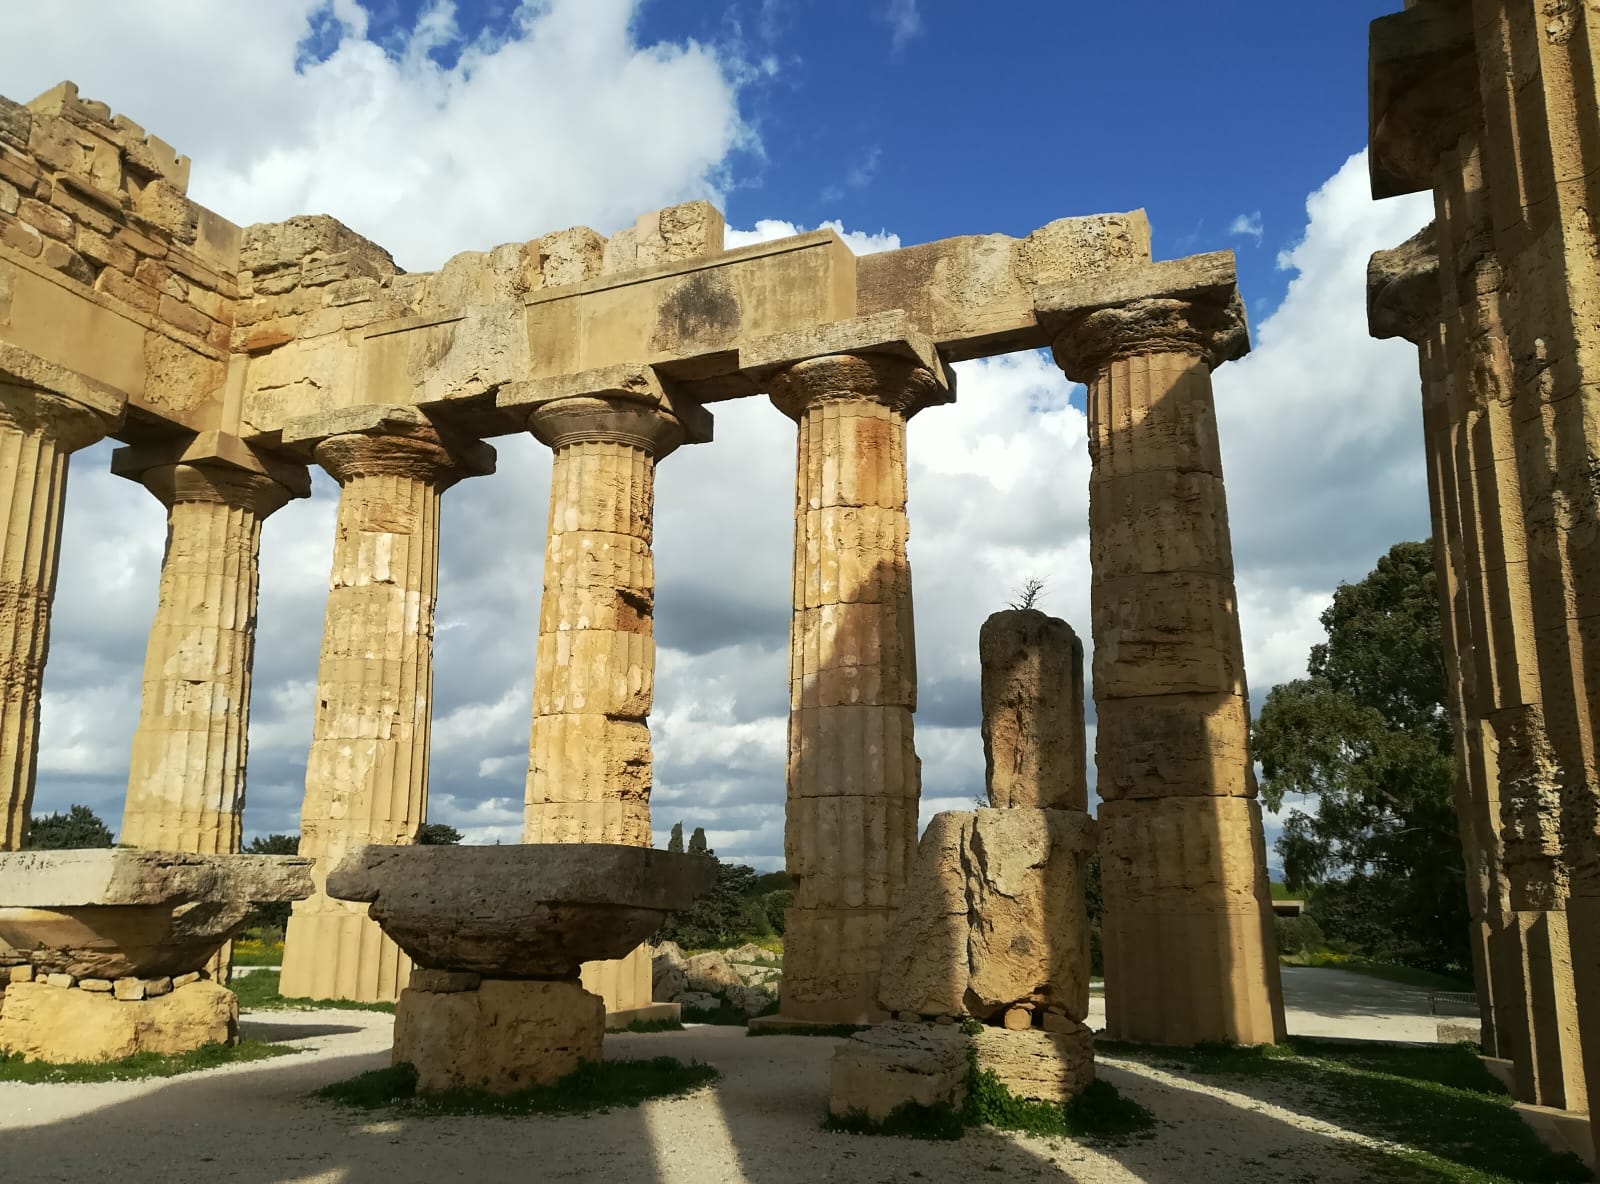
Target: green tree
{"x": 273, "y": 845}
{"x": 726, "y": 916}
{"x": 697, "y": 843}
{"x": 1367, "y": 736}
{"x": 437, "y": 834}
{"x": 79, "y": 828}
{"x": 675, "y": 843}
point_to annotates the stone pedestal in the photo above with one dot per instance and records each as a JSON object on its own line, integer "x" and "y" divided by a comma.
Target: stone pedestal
{"x": 367, "y": 772}
{"x": 496, "y": 1035}
{"x": 853, "y": 778}
{"x": 187, "y": 771}
{"x": 1190, "y": 949}
{"x": 38, "y": 432}
{"x": 61, "y": 1025}
{"x": 1033, "y": 733}
{"x": 589, "y": 768}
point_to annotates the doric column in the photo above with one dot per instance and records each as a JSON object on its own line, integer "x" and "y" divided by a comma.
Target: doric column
{"x": 589, "y": 767}
{"x": 367, "y": 772}
{"x": 186, "y": 775}
{"x": 853, "y": 779}
{"x": 1190, "y": 951}
{"x": 38, "y": 432}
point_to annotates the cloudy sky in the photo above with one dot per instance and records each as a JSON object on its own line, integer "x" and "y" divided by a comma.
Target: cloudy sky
{"x": 434, "y": 127}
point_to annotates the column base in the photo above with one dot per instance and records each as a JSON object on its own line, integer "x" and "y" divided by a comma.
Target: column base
{"x": 341, "y": 954}
{"x": 498, "y": 1035}
{"x": 73, "y": 1025}
{"x": 1549, "y": 1062}
{"x": 1560, "y": 1130}
{"x": 830, "y": 965}
{"x": 1190, "y": 948}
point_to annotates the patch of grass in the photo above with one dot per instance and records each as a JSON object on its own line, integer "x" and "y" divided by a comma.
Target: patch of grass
{"x": 725, "y": 1014}
{"x": 141, "y": 1065}
{"x": 1409, "y": 976}
{"x": 1444, "y": 1116}
{"x": 593, "y": 1086}
{"x": 251, "y": 951}
{"x": 909, "y": 1121}
{"x": 1099, "y": 1114}
{"x": 835, "y": 1031}
{"x": 654, "y": 1026}
{"x": 259, "y": 992}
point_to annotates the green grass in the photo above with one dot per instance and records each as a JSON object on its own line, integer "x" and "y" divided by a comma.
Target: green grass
{"x": 654, "y": 1026}
{"x": 836, "y": 1031}
{"x": 724, "y": 1014}
{"x": 144, "y": 1064}
{"x": 1281, "y": 892}
{"x": 1427, "y": 980}
{"x": 259, "y": 992}
{"x": 909, "y": 1121}
{"x": 1444, "y": 1117}
{"x": 248, "y": 951}
{"x": 593, "y": 1086}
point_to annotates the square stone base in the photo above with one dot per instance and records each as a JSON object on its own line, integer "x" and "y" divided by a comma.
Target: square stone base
{"x": 1560, "y": 1130}
{"x": 501, "y": 1036}
{"x": 70, "y": 1025}
{"x": 1033, "y": 1063}
{"x": 893, "y": 1065}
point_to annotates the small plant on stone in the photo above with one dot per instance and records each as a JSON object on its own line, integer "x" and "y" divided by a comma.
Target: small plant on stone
{"x": 1029, "y": 594}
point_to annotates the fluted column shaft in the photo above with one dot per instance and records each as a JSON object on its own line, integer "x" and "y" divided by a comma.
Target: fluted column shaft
{"x": 38, "y": 433}
{"x": 186, "y": 775}
{"x": 589, "y": 764}
{"x": 1190, "y": 949}
{"x": 367, "y": 771}
{"x": 853, "y": 776}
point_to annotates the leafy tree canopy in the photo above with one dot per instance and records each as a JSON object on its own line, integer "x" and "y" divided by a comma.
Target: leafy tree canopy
{"x": 1366, "y": 735}
{"x": 437, "y": 834}
{"x": 675, "y": 843}
{"x": 77, "y": 829}
{"x": 273, "y": 845}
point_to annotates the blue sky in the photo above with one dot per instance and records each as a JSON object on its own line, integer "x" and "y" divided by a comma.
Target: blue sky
{"x": 435, "y": 128}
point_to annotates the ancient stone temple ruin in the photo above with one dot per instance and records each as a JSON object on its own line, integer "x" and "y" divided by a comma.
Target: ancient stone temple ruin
{"x": 228, "y": 359}
{"x": 1491, "y": 106}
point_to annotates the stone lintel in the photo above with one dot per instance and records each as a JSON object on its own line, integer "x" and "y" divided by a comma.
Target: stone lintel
{"x": 885, "y": 333}
{"x": 474, "y": 458}
{"x": 124, "y": 876}
{"x": 1211, "y": 278}
{"x": 1403, "y": 296}
{"x": 27, "y": 369}
{"x": 1422, "y": 87}
{"x": 224, "y": 449}
{"x": 637, "y": 383}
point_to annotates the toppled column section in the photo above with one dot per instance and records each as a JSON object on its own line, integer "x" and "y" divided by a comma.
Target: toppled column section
{"x": 38, "y": 432}
{"x": 853, "y": 778}
{"x": 186, "y": 775}
{"x": 115, "y": 942}
{"x": 498, "y": 934}
{"x": 1190, "y": 950}
{"x": 1033, "y": 733}
{"x": 589, "y": 767}
{"x": 367, "y": 773}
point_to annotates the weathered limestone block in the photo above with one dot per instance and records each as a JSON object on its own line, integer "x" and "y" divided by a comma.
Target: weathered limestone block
{"x": 367, "y": 771}
{"x": 502, "y": 1037}
{"x": 891, "y": 1065}
{"x": 44, "y": 1023}
{"x": 993, "y": 917}
{"x": 119, "y": 912}
{"x": 529, "y": 911}
{"x": 1187, "y": 900}
{"x": 669, "y": 973}
{"x": 186, "y": 773}
{"x": 1033, "y": 733}
{"x": 711, "y": 972}
{"x": 1047, "y": 1066}
{"x": 38, "y": 432}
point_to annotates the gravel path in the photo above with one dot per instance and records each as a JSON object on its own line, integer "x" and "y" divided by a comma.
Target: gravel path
{"x": 759, "y": 1125}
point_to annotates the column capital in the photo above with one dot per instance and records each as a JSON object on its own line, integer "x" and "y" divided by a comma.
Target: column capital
{"x": 621, "y": 404}
{"x": 419, "y": 454}
{"x": 70, "y": 424}
{"x": 901, "y": 384}
{"x": 1403, "y": 294}
{"x": 1214, "y": 332}
{"x": 216, "y": 468}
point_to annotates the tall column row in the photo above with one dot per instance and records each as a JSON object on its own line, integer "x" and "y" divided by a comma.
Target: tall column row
{"x": 854, "y": 781}
{"x": 38, "y": 432}
{"x": 1190, "y": 950}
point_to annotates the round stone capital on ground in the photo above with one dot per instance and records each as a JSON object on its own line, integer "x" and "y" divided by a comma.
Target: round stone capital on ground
{"x": 218, "y": 485}
{"x": 31, "y": 411}
{"x": 1212, "y": 332}
{"x": 599, "y": 419}
{"x": 417, "y": 454}
{"x": 901, "y": 384}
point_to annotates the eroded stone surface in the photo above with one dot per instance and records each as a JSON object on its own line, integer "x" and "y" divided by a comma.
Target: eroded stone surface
{"x": 1033, "y": 733}
{"x": 1047, "y": 1066}
{"x": 501, "y": 1037}
{"x": 40, "y": 1022}
{"x": 994, "y": 916}
{"x": 528, "y": 911}
{"x": 894, "y": 1064}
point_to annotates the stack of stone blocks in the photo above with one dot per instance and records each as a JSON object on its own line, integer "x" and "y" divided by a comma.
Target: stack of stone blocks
{"x": 994, "y": 927}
